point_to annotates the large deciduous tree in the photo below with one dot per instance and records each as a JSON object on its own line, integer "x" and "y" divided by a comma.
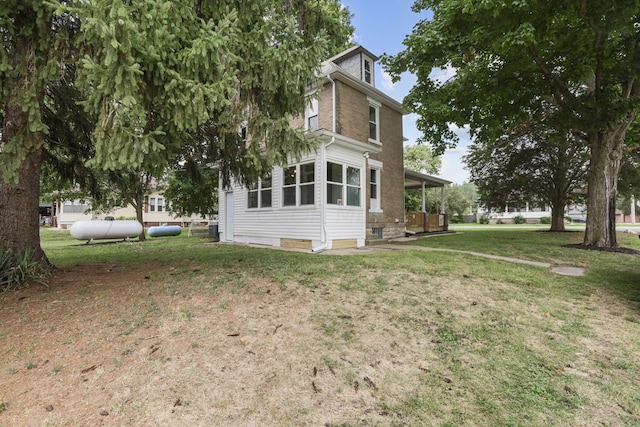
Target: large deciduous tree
{"x": 513, "y": 56}
{"x": 530, "y": 164}
{"x": 420, "y": 158}
{"x": 149, "y": 75}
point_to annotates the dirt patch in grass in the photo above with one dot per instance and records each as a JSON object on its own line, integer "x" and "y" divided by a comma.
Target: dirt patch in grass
{"x": 117, "y": 345}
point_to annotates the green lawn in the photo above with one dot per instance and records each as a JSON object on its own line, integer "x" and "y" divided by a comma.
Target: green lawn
{"x": 408, "y": 337}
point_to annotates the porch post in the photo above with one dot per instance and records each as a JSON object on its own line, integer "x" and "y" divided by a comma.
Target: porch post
{"x": 423, "y": 197}
{"x": 442, "y": 210}
{"x": 633, "y": 209}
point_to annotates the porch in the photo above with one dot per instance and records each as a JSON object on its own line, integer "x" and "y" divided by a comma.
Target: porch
{"x": 424, "y": 222}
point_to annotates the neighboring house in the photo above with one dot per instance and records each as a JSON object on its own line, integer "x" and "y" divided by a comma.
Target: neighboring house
{"x": 350, "y": 189}
{"x": 532, "y": 213}
{"x": 155, "y": 213}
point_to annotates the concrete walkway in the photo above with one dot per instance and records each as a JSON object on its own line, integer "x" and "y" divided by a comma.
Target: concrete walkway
{"x": 566, "y": 270}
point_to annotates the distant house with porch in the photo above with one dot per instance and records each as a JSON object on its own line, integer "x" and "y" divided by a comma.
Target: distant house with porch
{"x": 348, "y": 192}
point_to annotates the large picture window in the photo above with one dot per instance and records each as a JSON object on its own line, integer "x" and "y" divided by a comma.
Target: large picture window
{"x": 298, "y": 186}
{"x": 343, "y": 182}
{"x": 259, "y": 195}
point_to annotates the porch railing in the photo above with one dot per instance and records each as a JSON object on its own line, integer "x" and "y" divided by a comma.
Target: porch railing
{"x": 422, "y": 222}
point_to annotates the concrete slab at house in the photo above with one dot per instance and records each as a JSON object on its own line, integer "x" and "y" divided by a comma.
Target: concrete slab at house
{"x": 350, "y": 190}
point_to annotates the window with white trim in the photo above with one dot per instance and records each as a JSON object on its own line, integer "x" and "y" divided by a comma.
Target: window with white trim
{"x": 375, "y": 185}
{"x": 259, "y": 195}
{"x": 374, "y": 189}
{"x": 298, "y": 185}
{"x": 374, "y": 120}
{"x": 311, "y": 115}
{"x": 75, "y": 207}
{"x": 343, "y": 183}
{"x": 156, "y": 204}
{"x": 367, "y": 70}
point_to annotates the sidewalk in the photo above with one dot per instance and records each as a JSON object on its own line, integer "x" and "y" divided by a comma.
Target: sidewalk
{"x": 567, "y": 270}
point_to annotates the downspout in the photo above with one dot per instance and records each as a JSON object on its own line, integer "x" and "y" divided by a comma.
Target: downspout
{"x": 323, "y": 158}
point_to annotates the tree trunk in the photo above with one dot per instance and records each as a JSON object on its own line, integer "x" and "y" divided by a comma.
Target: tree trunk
{"x": 22, "y": 137}
{"x": 606, "y": 155}
{"x": 19, "y": 220}
{"x": 139, "y": 206}
{"x": 557, "y": 218}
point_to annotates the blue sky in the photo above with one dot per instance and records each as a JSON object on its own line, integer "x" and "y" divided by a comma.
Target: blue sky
{"x": 381, "y": 26}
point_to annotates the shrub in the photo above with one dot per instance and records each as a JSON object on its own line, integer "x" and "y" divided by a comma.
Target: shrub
{"x": 484, "y": 219}
{"x": 456, "y": 219}
{"x": 545, "y": 220}
{"x": 519, "y": 219}
{"x": 18, "y": 270}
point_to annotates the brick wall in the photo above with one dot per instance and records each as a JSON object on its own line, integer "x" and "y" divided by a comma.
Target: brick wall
{"x": 392, "y": 176}
{"x": 325, "y": 109}
{"x": 353, "y": 112}
{"x": 353, "y": 122}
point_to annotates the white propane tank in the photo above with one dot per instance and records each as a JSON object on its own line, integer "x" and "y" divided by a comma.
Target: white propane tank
{"x": 96, "y": 230}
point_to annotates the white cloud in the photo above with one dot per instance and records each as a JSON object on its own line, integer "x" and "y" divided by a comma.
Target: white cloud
{"x": 386, "y": 81}
{"x": 453, "y": 168}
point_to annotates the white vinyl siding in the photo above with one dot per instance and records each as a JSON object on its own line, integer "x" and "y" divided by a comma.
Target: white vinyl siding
{"x": 304, "y": 220}
{"x": 343, "y": 221}
{"x": 268, "y": 226}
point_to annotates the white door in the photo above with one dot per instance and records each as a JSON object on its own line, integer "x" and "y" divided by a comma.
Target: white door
{"x": 228, "y": 218}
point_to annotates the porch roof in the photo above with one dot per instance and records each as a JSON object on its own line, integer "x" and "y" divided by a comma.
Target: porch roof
{"x": 413, "y": 180}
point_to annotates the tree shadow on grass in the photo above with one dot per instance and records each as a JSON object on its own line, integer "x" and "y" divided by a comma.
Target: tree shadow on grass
{"x": 619, "y": 249}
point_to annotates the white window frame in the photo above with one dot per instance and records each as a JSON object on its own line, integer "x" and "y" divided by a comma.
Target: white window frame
{"x": 375, "y": 105}
{"x": 344, "y": 185}
{"x": 375, "y": 200}
{"x": 365, "y": 60}
{"x": 75, "y": 206}
{"x": 311, "y": 112}
{"x": 156, "y": 204}
{"x": 259, "y": 190}
{"x": 299, "y": 185}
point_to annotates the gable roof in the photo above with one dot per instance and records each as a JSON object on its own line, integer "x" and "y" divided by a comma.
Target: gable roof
{"x": 339, "y": 73}
{"x": 352, "y": 51}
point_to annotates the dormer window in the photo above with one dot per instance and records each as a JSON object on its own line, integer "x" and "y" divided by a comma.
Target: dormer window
{"x": 367, "y": 70}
